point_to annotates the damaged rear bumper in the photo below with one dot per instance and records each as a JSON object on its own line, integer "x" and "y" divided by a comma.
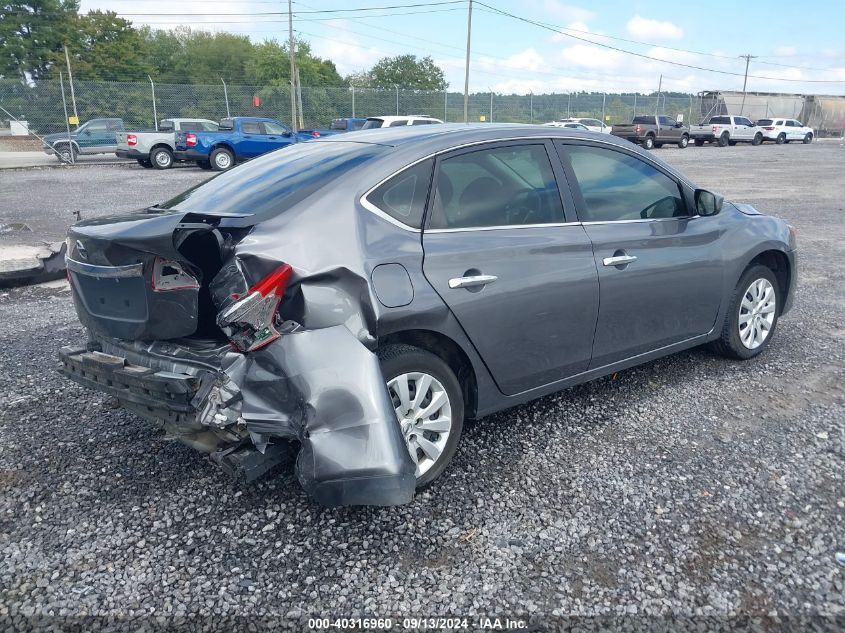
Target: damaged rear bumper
{"x": 321, "y": 388}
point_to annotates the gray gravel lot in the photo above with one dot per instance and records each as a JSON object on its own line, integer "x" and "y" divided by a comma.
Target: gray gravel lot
{"x": 691, "y": 486}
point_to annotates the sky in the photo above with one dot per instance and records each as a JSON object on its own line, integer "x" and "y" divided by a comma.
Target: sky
{"x": 800, "y": 43}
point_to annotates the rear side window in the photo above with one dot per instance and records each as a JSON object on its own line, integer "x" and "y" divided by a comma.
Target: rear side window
{"x": 778, "y": 122}
{"x": 403, "y": 196}
{"x": 251, "y": 127}
{"x": 500, "y": 186}
{"x": 372, "y": 123}
{"x": 338, "y": 124}
{"x": 357, "y": 125}
{"x": 616, "y": 187}
{"x": 420, "y": 122}
{"x": 397, "y": 123}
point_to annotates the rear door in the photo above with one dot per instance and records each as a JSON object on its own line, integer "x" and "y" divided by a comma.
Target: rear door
{"x": 250, "y": 142}
{"x": 660, "y": 267}
{"x": 515, "y": 268}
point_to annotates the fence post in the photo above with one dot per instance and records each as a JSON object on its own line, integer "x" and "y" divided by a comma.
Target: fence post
{"x": 568, "y": 104}
{"x": 155, "y": 113}
{"x": 531, "y": 107}
{"x": 445, "y": 106}
{"x": 491, "y": 105}
{"x": 353, "y": 102}
{"x": 67, "y": 121}
{"x": 635, "y": 106}
{"x": 603, "y": 99}
{"x": 397, "y": 100}
{"x": 226, "y": 97}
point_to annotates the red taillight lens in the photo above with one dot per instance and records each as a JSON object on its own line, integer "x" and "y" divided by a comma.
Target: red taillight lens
{"x": 315, "y": 134}
{"x": 190, "y": 140}
{"x": 131, "y": 140}
{"x": 171, "y": 275}
{"x": 249, "y": 322}
{"x": 637, "y": 130}
{"x": 769, "y": 129}
{"x": 713, "y": 129}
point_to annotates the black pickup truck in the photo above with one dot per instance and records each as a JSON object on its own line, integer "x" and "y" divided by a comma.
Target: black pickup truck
{"x": 653, "y": 131}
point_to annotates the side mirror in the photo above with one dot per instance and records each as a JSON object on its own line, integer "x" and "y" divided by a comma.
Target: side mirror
{"x": 86, "y": 133}
{"x": 707, "y": 202}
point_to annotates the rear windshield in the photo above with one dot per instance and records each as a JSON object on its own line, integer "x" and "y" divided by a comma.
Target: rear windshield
{"x": 720, "y": 120}
{"x": 764, "y": 122}
{"x": 276, "y": 181}
{"x": 644, "y": 119}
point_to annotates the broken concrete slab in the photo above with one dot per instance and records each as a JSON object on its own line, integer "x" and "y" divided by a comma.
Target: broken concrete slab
{"x": 24, "y": 265}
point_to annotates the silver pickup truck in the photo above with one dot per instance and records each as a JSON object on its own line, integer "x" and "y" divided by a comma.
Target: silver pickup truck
{"x": 153, "y": 148}
{"x": 726, "y": 130}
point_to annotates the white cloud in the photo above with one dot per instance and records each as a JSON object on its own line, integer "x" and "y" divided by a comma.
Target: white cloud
{"x": 785, "y": 50}
{"x": 653, "y": 29}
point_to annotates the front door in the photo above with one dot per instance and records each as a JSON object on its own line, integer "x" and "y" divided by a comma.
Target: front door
{"x": 513, "y": 267}
{"x": 659, "y": 267}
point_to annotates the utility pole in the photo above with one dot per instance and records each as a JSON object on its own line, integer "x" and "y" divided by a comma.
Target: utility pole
{"x": 72, "y": 94}
{"x": 292, "y": 53}
{"x": 466, "y": 69}
{"x": 747, "y": 59}
{"x": 657, "y": 101}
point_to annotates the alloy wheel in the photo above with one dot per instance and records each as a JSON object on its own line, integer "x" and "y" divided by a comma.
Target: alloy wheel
{"x": 163, "y": 159}
{"x": 757, "y": 313}
{"x": 424, "y": 414}
{"x": 223, "y": 160}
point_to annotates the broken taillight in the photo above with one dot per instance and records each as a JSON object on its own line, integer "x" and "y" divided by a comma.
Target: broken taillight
{"x": 171, "y": 275}
{"x": 249, "y": 322}
{"x": 190, "y": 140}
{"x": 131, "y": 140}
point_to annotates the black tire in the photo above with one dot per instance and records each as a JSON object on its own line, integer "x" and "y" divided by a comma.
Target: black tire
{"x": 683, "y": 142}
{"x": 65, "y": 153}
{"x": 729, "y": 343}
{"x": 401, "y": 359}
{"x": 221, "y": 159}
{"x": 808, "y": 138}
{"x": 648, "y": 141}
{"x": 145, "y": 163}
{"x": 724, "y": 140}
{"x": 203, "y": 164}
{"x": 781, "y": 139}
{"x": 699, "y": 142}
{"x": 758, "y": 139}
{"x": 161, "y": 158}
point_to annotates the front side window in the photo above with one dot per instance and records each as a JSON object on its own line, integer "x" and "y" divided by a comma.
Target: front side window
{"x": 616, "y": 186}
{"x": 403, "y": 196}
{"x": 96, "y": 126}
{"x": 271, "y": 127}
{"x": 501, "y": 186}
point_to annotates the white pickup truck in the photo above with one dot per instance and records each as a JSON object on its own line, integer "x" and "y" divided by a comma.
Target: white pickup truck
{"x": 153, "y": 148}
{"x": 726, "y": 130}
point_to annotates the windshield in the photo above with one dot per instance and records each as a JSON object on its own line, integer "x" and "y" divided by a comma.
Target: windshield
{"x": 276, "y": 181}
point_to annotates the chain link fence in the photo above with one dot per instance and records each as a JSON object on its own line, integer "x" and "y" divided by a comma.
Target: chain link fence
{"x": 40, "y": 104}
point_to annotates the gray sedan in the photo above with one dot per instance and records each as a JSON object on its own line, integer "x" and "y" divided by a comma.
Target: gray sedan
{"x": 360, "y": 298}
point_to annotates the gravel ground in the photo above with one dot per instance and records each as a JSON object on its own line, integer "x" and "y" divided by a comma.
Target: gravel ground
{"x": 691, "y": 491}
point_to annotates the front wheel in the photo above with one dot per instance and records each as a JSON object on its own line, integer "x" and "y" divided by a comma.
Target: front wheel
{"x": 752, "y": 315}
{"x": 757, "y": 140}
{"x": 222, "y": 159}
{"x": 683, "y": 142}
{"x": 66, "y": 153}
{"x": 648, "y": 142}
{"x": 429, "y": 407}
{"x": 808, "y": 139}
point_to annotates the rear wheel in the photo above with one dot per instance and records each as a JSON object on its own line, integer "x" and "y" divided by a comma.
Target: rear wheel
{"x": 429, "y": 407}
{"x": 683, "y": 142}
{"x": 222, "y": 159}
{"x": 699, "y": 142}
{"x": 752, "y": 315}
{"x": 648, "y": 141}
{"x": 757, "y": 140}
{"x": 724, "y": 140}
{"x": 781, "y": 139}
{"x": 808, "y": 138}
{"x": 161, "y": 158}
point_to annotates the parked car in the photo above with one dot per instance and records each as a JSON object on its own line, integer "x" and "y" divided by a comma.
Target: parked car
{"x": 594, "y": 125}
{"x": 784, "y": 130}
{"x": 398, "y": 121}
{"x": 97, "y": 136}
{"x": 321, "y": 295}
{"x": 726, "y": 130}
{"x": 653, "y": 131}
{"x": 339, "y": 126}
{"x": 154, "y": 148}
{"x": 237, "y": 139}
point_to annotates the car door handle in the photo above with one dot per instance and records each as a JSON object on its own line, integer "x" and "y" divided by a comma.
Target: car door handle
{"x": 471, "y": 282}
{"x": 619, "y": 260}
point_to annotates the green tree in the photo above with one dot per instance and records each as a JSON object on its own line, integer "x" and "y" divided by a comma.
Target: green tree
{"x": 210, "y": 57}
{"x": 269, "y": 65}
{"x": 408, "y": 72}
{"x": 31, "y": 33}
{"x": 106, "y": 47}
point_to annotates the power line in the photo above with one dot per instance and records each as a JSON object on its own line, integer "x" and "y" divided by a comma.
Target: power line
{"x": 649, "y": 57}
